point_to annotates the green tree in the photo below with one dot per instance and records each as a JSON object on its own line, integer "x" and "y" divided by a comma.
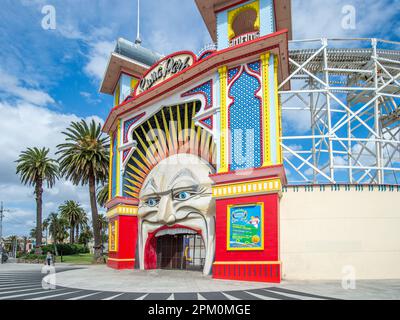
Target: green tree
{"x": 45, "y": 226}
{"x": 84, "y": 160}
{"x": 103, "y": 223}
{"x": 81, "y": 223}
{"x": 25, "y": 242}
{"x": 36, "y": 168}
{"x": 71, "y": 211}
{"x": 85, "y": 236}
{"x": 102, "y": 195}
{"x": 32, "y": 233}
{"x": 57, "y": 229}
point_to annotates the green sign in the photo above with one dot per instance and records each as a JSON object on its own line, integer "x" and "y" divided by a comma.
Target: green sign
{"x": 246, "y": 227}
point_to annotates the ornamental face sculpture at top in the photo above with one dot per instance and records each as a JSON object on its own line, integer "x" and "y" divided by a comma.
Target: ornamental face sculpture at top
{"x": 177, "y": 196}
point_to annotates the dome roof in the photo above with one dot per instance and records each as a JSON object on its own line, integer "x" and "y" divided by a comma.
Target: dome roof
{"x": 136, "y": 52}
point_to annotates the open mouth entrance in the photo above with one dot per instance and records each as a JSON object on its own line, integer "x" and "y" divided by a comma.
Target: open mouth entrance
{"x": 182, "y": 250}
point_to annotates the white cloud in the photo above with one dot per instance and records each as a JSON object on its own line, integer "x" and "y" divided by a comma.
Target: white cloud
{"x": 371, "y": 18}
{"x": 98, "y": 56}
{"x": 28, "y": 125}
{"x": 11, "y": 87}
{"x": 89, "y": 97}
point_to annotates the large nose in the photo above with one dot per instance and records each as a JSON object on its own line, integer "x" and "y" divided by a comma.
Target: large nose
{"x": 166, "y": 210}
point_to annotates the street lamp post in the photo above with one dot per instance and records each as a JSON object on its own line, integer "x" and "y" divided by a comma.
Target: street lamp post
{"x": 2, "y": 210}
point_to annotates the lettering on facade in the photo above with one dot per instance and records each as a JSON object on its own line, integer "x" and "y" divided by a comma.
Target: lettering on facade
{"x": 164, "y": 70}
{"x": 244, "y": 38}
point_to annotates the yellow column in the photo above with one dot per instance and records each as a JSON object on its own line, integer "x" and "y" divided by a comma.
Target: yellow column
{"x": 278, "y": 113}
{"x": 266, "y": 114}
{"x": 118, "y": 173}
{"x": 110, "y": 182}
{"x": 224, "y": 120}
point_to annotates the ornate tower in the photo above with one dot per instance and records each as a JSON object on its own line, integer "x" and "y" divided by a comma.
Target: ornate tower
{"x": 250, "y": 170}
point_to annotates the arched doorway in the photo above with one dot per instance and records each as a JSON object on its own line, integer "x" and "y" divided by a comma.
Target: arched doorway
{"x": 182, "y": 251}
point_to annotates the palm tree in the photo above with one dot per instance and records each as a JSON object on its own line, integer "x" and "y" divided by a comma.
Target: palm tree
{"x": 25, "y": 241}
{"x": 85, "y": 236}
{"x": 36, "y": 168}
{"x": 32, "y": 233}
{"x": 84, "y": 160}
{"x": 103, "y": 222}
{"x": 57, "y": 229}
{"x": 12, "y": 245}
{"x": 71, "y": 211}
{"x": 102, "y": 195}
{"x": 81, "y": 223}
{"x": 45, "y": 226}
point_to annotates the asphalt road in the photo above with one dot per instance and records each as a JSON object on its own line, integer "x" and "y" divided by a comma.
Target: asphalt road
{"x": 27, "y": 285}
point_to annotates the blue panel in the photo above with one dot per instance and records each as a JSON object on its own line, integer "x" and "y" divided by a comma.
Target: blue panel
{"x": 206, "y": 89}
{"x": 232, "y": 73}
{"x": 125, "y": 87}
{"x": 207, "y": 121}
{"x": 245, "y": 123}
{"x": 222, "y": 30}
{"x": 255, "y": 66}
{"x": 267, "y": 17}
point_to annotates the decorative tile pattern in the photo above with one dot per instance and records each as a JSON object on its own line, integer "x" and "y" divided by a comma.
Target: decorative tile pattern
{"x": 208, "y": 122}
{"x": 255, "y": 67}
{"x": 245, "y": 116}
{"x": 122, "y": 210}
{"x": 205, "y": 89}
{"x": 246, "y": 188}
{"x": 129, "y": 123}
{"x": 206, "y": 54}
{"x": 232, "y": 73}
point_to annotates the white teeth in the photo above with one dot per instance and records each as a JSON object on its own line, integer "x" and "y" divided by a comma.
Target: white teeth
{"x": 174, "y": 231}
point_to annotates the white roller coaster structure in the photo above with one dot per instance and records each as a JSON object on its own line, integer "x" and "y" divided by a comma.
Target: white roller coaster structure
{"x": 349, "y": 91}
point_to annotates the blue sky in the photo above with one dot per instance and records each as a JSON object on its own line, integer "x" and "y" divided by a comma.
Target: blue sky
{"x": 49, "y": 78}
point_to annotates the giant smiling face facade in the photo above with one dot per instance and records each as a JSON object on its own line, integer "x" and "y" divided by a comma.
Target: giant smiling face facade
{"x": 177, "y": 195}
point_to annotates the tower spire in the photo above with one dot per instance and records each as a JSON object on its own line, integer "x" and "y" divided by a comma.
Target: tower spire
{"x": 138, "y": 40}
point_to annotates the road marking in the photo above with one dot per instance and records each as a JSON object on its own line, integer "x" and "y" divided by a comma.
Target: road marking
{"x": 142, "y": 297}
{"x": 22, "y": 290}
{"x": 200, "y": 297}
{"x": 229, "y": 296}
{"x": 259, "y": 296}
{"x": 55, "y": 295}
{"x": 113, "y": 297}
{"x": 28, "y": 294}
{"x": 82, "y": 297}
{"x": 14, "y": 285}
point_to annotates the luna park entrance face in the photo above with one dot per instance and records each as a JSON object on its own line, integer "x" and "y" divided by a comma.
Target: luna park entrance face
{"x": 181, "y": 252}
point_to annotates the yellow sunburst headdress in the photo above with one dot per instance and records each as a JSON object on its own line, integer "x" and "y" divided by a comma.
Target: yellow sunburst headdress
{"x": 170, "y": 131}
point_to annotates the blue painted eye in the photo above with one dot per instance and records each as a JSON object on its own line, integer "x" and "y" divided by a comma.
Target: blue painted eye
{"x": 184, "y": 195}
{"x": 152, "y": 202}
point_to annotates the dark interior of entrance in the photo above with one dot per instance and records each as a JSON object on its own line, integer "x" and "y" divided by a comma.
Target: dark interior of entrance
{"x": 181, "y": 252}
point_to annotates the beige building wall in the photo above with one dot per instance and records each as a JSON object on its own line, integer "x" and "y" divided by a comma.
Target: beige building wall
{"x": 329, "y": 234}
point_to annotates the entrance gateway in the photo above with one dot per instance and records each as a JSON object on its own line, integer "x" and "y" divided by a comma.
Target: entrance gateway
{"x": 196, "y": 166}
{"x": 185, "y": 251}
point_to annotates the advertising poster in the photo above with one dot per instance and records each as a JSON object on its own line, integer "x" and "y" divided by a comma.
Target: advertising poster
{"x": 245, "y": 227}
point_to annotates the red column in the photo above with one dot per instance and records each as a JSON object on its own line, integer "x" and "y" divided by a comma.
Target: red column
{"x": 262, "y": 188}
{"x": 124, "y": 255}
